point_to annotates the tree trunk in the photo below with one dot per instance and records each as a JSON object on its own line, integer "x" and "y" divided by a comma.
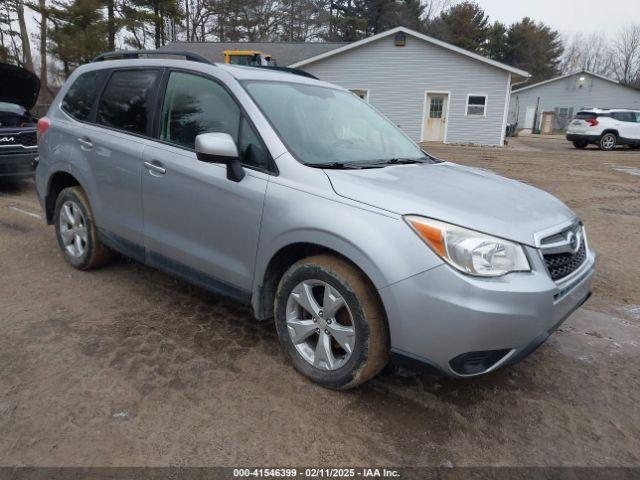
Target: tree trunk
{"x": 24, "y": 35}
{"x": 157, "y": 26}
{"x": 44, "y": 81}
{"x": 187, "y": 18}
{"x": 111, "y": 25}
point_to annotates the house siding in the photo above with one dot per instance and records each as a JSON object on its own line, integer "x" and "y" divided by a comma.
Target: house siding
{"x": 398, "y": 77}
{"x": 566, "y": 93}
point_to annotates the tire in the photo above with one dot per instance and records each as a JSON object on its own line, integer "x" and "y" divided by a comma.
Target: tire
{"x": 608, "y": 141}
{"x": 361, "y": 313}
{"x": 72, "y": 206}
{"x": 580, "y": 144}
{"x": 634, "y": 147}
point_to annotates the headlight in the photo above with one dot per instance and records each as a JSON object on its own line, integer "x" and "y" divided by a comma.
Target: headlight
{"x": 469, "y": 251}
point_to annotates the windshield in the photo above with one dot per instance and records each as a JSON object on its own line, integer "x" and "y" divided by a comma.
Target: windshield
{"x": 327, "y": 126}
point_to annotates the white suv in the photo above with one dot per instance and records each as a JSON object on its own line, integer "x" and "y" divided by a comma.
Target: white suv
{"x": 605, "y": 128}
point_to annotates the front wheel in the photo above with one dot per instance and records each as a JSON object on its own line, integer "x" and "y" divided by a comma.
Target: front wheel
{"x": 608, "y": 142}
{"x": 331, "y": 323}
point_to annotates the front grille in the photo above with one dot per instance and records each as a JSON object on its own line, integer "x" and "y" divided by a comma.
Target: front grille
{"x": 562, "y": 264}
{"x": 25, "y": 139}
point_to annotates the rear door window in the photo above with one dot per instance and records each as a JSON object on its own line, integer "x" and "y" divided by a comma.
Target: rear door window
{"x": 127, "y": 100}
{"x": 624, "y": 116}
{"x": 81, "y": 97}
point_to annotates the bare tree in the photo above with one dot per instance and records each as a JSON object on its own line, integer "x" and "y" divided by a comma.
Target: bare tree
{"x": 17, "y": 6}
{"x": 590, "y": 52}
{"x": 433, "y": 9}
{"x": 626, "y": 54}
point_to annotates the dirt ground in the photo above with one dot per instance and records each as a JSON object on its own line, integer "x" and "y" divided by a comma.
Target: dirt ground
{"x": 128, "y": 366}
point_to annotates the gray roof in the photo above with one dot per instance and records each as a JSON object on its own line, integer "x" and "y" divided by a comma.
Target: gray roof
{"x": 284, "y": 53}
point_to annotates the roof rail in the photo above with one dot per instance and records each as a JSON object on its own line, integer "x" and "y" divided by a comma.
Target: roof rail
{"x": 122, "y": 54}
{"x": 293, "y": 71}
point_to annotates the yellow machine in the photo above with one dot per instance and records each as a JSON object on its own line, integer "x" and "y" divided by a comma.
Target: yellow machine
{"x": 248, "y": 57}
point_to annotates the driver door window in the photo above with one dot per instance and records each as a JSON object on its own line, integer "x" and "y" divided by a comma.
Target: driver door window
{"x": 195, "y": 105}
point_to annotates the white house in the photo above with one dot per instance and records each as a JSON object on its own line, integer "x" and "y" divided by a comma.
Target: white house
{"x": 566, "y": 95}
{"x": 433, "y": 90}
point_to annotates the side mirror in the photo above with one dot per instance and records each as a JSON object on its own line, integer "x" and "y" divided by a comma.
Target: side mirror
{"x": 220, "y": 148}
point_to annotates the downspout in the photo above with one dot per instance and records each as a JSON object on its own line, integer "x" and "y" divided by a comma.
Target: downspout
{"x": 513, "y": 85}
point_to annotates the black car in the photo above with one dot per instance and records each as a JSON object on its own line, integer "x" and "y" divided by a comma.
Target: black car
{"x": 19, "y": 90}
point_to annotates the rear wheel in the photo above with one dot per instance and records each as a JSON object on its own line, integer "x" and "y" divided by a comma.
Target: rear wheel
{"x": 580, "y": 143}
{"x": 331, "y": 323}
{"x": 608, "y": 141}
{"x": 76, "y": 231}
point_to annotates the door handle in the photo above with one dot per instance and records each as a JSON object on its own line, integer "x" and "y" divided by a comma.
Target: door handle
{"x": 155, "y": 167}
{"x": 85, "y": 143}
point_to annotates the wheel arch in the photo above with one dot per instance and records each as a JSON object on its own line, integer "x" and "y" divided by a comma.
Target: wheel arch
{"x": 610, "y": 130}
{"x": 268, "y": 277}
{"x": 58, "y": 181}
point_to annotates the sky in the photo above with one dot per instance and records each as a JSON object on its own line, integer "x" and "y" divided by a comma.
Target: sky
{"x": 567, "y": 16}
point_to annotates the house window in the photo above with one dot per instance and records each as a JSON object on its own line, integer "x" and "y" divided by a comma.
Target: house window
{"x": 435, "y": 107}
{"x": 477, "y": 105}
{"x": 361, "y": 92}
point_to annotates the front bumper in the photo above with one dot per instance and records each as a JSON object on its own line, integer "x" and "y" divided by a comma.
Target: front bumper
{"x": 441, "y": 316}
{"x": 18, "y": 164}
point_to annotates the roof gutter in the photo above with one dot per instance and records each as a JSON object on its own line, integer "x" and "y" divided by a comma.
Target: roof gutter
{"x": 520, "y": 83}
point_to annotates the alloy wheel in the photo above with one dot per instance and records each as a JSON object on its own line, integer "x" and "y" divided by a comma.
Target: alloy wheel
{"x": 608, "y": 141}
{"x": 320, "y": 324}
{"x": 73, "y": 229}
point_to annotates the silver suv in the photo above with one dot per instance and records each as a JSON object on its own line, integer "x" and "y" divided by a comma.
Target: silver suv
{"x": 296, "y": 197}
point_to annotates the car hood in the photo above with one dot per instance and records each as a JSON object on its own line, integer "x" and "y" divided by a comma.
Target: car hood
{"x": 465, "y": 196}
{"x": 18, "y": 86}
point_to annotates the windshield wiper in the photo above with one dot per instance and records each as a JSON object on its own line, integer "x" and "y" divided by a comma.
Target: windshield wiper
{"x": 341, "y": 165}
{"x": 368, "y": 164}
{"x": 397, "y": 161}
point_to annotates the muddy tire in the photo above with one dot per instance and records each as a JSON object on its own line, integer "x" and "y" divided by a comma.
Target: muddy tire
{"x": 580, "y": 144}
{"x": 608, "y": 141}
{"x": 76, "y": 231}
{"x": 331, "y": 323}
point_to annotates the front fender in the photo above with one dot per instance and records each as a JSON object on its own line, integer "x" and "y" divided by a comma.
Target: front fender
{"x": 380, "y": 243}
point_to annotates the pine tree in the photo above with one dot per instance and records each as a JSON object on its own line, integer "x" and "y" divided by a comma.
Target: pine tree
{"x": 79, "y": 33}
{"x": 159, "y": 15}
{"x": 495, "y": 46}
{"x": 534, "y": 47}
{"x": 464, "y": 25}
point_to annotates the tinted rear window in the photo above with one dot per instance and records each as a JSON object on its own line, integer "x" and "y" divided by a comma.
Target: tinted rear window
{"x": 126, "y": 100}
{"x": 586, "y": 115}
{"x": 79, "y": 99}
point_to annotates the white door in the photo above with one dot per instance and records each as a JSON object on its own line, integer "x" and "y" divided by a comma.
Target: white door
{"x": 435, "y": 120}
{"x": 528, "y": 117}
